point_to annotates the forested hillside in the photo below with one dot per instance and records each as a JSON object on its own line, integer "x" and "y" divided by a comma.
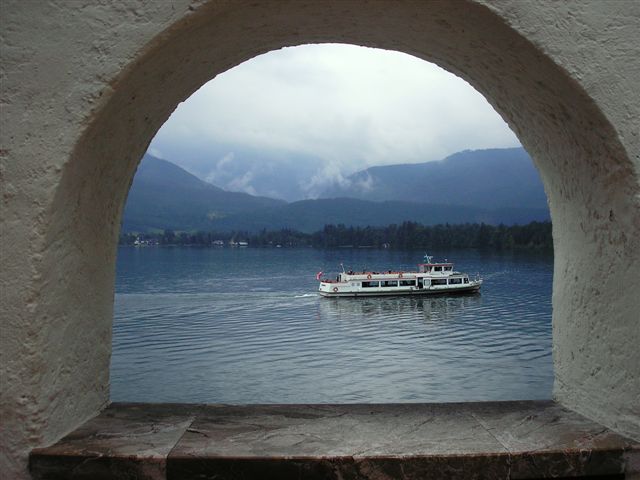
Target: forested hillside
{"x": 164, "y": 195}
{"x": 487, "y": 179}
{"x": 311, "y": 215}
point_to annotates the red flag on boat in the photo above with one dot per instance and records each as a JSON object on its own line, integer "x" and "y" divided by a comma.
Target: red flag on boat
{"x": 318, "y": 275}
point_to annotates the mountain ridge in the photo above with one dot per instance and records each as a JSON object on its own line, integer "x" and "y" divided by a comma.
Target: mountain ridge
{"x": 164, "y": 196}
{"x": 489, "y": 177}
{"x": 311, "y": 215}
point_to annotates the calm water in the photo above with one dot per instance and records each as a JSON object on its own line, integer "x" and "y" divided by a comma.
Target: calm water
{"x": 246, "y": 326}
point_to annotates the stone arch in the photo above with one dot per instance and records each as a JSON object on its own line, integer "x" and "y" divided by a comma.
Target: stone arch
{"x": 578, "y": 145}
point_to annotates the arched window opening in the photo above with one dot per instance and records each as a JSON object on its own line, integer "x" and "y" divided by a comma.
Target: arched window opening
{"x": 338, "y": 155}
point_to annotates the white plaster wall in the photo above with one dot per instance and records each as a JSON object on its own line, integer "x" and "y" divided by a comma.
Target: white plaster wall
{"x": 595, "y": 210}
{"x": 57, "y": 60}
{"x": 85, "y": 87}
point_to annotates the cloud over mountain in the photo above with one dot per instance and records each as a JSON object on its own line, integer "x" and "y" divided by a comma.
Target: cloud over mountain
{"x": 317, "y": 113}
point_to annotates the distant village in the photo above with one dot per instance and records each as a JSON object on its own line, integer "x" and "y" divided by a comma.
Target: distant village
{"x": 152, "y": 242}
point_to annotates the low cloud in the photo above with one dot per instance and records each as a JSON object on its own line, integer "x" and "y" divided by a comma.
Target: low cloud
{"x": 346, "y": 108}
{"x": 243, "y": 184}
{"x": 365, "y": 184}
{"x": 155, "y": 152}
{"x": 220, "y": 169}
{"x": 329, "y": 175}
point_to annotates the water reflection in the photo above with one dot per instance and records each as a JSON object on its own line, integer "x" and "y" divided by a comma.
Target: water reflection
{"x": 434, "y": 308}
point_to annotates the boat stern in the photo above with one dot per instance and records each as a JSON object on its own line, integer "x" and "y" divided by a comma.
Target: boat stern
{"x": 328, "y": 289}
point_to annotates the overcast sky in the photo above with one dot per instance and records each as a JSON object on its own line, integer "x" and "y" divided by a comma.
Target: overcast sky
{"x": 341, "y": 107}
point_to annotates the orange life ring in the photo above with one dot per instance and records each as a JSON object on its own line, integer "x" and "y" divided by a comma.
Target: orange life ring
{"x": 335, "y": 289}
{"x": 369, "y": 276}
{"x": 400, "y": 275}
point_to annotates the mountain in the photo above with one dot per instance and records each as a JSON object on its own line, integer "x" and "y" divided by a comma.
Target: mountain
{"x": 268, "y": 172}
{"x": 164, "y": 196}
{"x": 465, "y": 188}
{"x": 485, "y": 178}
{"x": 311, "y": 215}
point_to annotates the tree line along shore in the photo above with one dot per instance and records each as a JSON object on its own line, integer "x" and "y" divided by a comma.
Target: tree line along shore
{"x": 407, "y": 235}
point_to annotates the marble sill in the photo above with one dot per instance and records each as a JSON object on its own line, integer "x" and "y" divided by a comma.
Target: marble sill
{"x": 497, "y": 440}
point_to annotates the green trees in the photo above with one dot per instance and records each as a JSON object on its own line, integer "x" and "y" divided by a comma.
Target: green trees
{"x": 407, "y": 235}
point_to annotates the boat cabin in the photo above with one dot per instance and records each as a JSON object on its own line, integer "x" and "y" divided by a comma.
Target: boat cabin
{"x": 436, "y": 268}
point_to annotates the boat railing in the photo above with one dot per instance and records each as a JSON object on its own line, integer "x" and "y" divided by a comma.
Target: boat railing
{"x": 361, "y": 274}
{"x": 366, "y": 276}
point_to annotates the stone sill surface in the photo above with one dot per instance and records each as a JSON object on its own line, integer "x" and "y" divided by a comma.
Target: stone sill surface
{"x": 497, "y": 440}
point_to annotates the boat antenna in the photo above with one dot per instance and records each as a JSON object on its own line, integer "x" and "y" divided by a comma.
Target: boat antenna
{"x": 427, "y": 258}
{"x": 342, "y": 265}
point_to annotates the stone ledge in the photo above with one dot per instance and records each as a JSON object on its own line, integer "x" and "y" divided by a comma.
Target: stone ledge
{"x": 501, "y": 440}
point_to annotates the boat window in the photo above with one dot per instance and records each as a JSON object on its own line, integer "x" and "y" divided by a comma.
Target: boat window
{"x": 370, "y": 284}
{"x": 407, "y": 283}
{"x": 455, "y": 281}
{"x": 389, "y": 283}
{"x": 466, "y": 280}
{"x": 438, "y": 281}
{"x": 437, "y": 269}
{"x": 447, "y": 269}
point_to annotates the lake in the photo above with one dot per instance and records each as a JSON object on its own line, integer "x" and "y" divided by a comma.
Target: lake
{"x": 246, "y": 326}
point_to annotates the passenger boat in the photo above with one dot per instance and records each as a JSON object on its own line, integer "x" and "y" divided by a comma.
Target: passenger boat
{"x": 431, "y": 278}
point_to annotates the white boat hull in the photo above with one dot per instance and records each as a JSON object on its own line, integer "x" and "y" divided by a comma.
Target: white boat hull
{"x": 346, "y": 291}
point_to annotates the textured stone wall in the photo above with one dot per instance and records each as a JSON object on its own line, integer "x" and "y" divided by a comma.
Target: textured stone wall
{"x": 86, "y": 86}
